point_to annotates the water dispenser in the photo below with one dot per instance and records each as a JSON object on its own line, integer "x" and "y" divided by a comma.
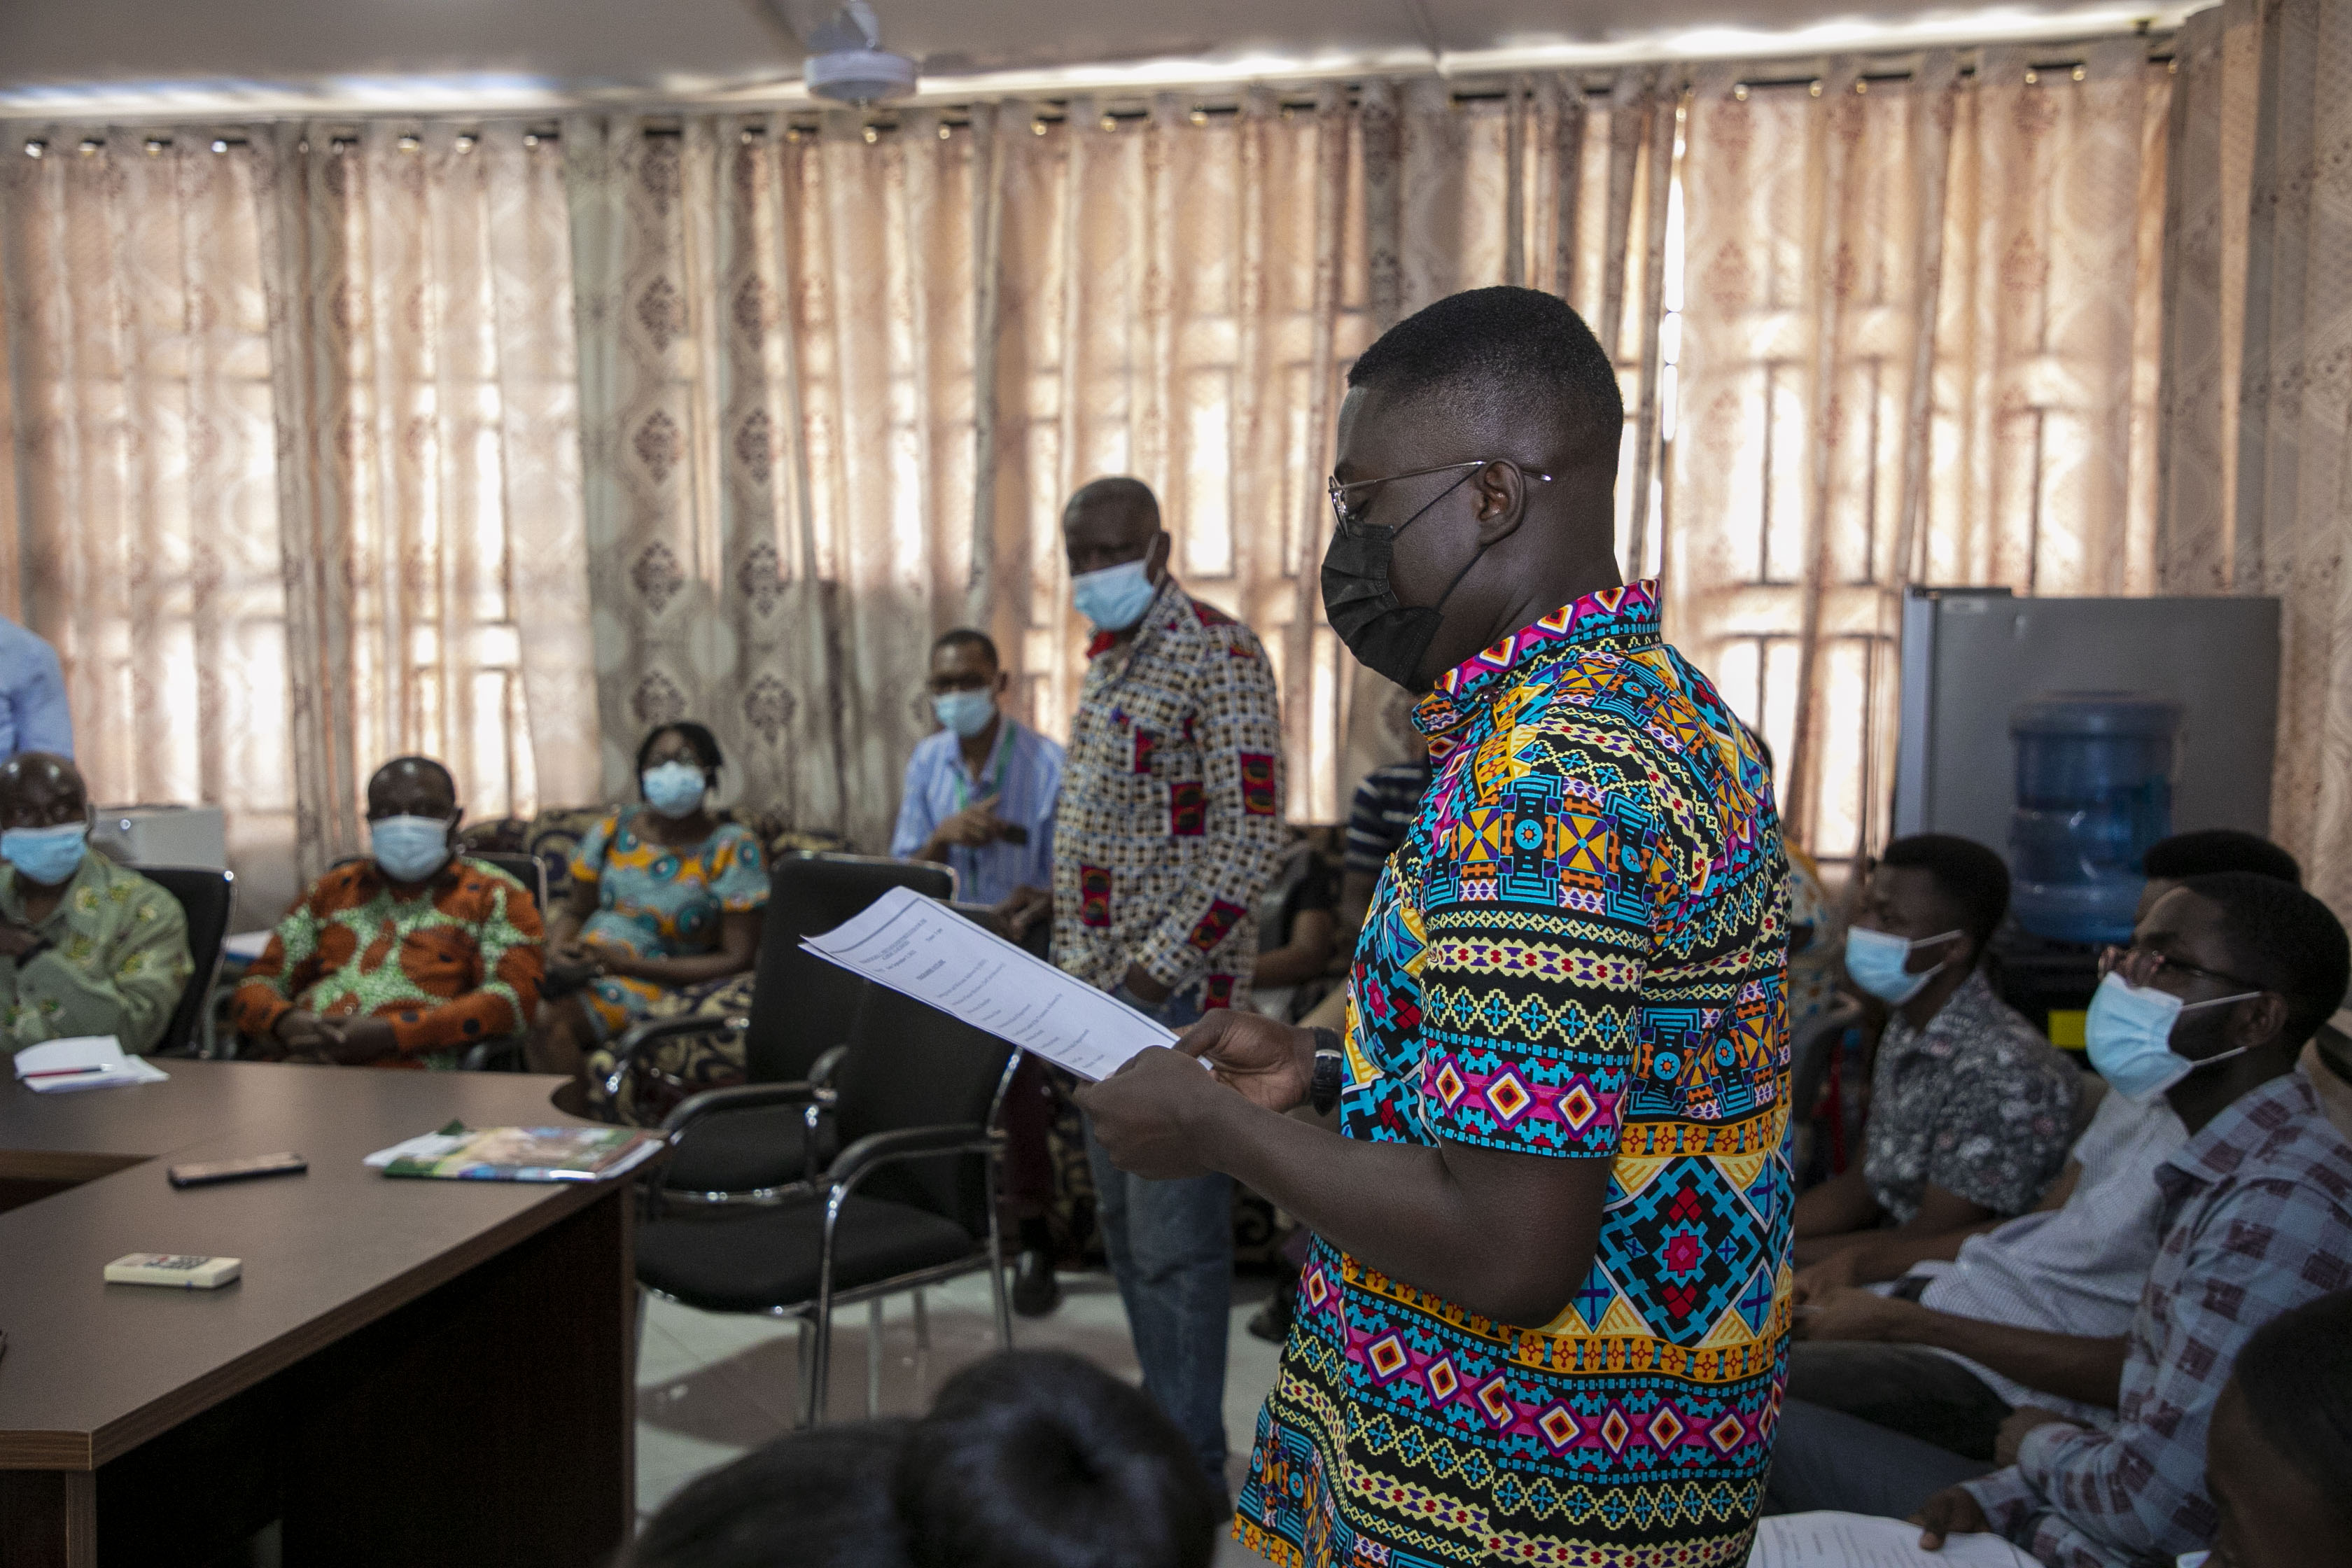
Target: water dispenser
{"x": 2094, "y": 772}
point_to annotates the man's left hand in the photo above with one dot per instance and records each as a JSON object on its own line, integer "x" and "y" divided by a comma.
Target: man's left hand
{"x": 1851, "y": 1312}
{"x": 1835, "y": 1272}
{"x": 1952, "y": 1511}
{"x": 1145, "y": 1114}
{"x": 2022, "y": 1420}
{"x": 17, "y": 940}
{"x": 356, "y": 1041}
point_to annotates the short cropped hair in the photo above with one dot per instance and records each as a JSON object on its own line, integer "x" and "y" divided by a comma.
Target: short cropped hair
{"x": 1972, "y": 876}
{"x": 2213, "y": 849}
{"x": 430, "y": 765}
{"x": 697, "y": 738}
{"x": 2295, "y": 1373}
{"x": 2282, "y": 937}
{"x": 965, "y": 636}
{"x": 1507, "y": 351}
{"x": 818, "y": 1498}
{"x": 1038, "y": 1459}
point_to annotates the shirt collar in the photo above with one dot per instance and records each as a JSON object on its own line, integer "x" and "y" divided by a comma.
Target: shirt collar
{"x": 12, "y": 889}
{"x": 1167, "y": 601}
{"x": 2218, "y": 1151}
{"x": 1607, "y": 621}
{"x": 373, "y": 882}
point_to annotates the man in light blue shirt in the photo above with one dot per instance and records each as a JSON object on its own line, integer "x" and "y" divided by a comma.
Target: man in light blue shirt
{"x": 980, "y": 790}
{"x": 33, "y": 714}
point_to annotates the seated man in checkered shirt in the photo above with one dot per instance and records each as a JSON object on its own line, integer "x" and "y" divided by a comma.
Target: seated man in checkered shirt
{"x": 2227, "y": 977}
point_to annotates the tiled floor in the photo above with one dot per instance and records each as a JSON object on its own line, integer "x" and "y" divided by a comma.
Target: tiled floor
{"x": 709, "y": 1388}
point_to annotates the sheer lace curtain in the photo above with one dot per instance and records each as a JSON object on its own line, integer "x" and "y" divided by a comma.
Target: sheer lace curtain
{"x": 145, "y": 507}
{"x": 1918, "y": 342}
{"x": 2257, "y": 410}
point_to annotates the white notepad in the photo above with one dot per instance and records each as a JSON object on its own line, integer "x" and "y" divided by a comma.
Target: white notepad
{"x": 921, "y": 947}
{"x": 82, "y": 1061}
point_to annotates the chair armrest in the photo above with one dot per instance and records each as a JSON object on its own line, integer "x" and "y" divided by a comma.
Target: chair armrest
{"x": 821, "y": 1071}
{"x": 634, "y": 1039}
{"x": 738, "y": 1097}
{"x": 876, "y": 1150}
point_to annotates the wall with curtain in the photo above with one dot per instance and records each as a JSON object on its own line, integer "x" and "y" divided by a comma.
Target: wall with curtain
{"x": 508, "y": 445}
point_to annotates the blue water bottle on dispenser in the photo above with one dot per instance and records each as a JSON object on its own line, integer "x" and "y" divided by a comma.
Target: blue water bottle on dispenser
{"x": 2094, "y": 790}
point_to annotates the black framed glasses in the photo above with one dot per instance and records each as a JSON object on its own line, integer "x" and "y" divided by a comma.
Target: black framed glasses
{"x": 1350, "y": 515}
{"x": 2140, "y": 966}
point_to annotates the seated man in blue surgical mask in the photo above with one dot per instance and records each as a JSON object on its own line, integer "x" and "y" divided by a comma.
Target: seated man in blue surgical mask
{"x": 981, "y": 788}
{"x": 86, "y": 947}
{"x": 1972, "y": 1110}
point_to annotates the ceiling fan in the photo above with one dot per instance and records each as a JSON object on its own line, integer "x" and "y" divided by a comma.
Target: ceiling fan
{"x": 846, "y": 61}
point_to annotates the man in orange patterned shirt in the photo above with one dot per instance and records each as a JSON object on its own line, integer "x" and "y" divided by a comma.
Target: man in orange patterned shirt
{"x": 404, "y": 960}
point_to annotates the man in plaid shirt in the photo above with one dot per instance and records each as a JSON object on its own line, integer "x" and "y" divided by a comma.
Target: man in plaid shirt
{"x": 2256, "y": 1220}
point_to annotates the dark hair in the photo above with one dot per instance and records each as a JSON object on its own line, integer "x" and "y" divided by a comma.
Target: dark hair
{"x": 1507, "y": 351}
{"x": 818, "y": 1498}
{"x": 428, "y": 764}
{"x": 1039, "y": 1460}
{"x": 2213, "y": 849}
{"x": 1128, "y": 494}
{"x": 1972, "y": 876}
{"x": 2280, "y": 935}
{"x": 964, "y": 636}
{"x": 2295, "y": 1373}
{"x": 699, "y": 740}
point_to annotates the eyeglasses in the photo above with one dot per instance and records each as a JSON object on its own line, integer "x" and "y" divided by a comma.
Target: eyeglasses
{"x": 1351, "y": 518}
{"x": 2140, "y": 966}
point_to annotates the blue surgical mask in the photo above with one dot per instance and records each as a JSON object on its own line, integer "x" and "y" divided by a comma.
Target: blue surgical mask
{"x": 49, "y": 855}
{"x": 674, "y": 789}
{"x": 2129, "y": 1037}
{"x": 1115, "y": 597}
{"x": 1874, "y": 961}
{"x": 966, "y": 712}
{"x": 409, "y": 848}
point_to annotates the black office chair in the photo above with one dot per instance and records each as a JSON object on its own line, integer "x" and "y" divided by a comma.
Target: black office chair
{"x": 1808, "y": 1052}
{"x": 909, "y": 1201}
{"x": 205, "y": 894}
{"x": 802, "y": 1010}
{"x": 528, "y": 870}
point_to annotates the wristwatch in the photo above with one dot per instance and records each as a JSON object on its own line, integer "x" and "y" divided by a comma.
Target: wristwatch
{"x": 1330, "y": 1071}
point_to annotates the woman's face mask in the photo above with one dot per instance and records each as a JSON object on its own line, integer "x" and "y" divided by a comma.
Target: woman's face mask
{"x": 675, "y": 788}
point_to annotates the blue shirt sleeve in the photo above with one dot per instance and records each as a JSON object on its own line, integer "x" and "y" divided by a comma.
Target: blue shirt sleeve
{"x": 1040, "y": 870}
{"x": 915, "y": 818}
{"x": 44, "y": 722}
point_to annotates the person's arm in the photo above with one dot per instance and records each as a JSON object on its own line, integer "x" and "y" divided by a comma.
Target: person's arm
{"x": 738, "y": 949}
{"x": 1834, "y": 1212}
{"x": 1239, "y": 732}
{"x": 1943, "y": 1222}
{"x": 508, "y": 943}
{"x": 2089, "y": 1371}
{"x": 43, "y": 719}
{"x": 564, "y": 926}
{"x": 912, "y": 831}
{"x": 286, "y": 968}
{"x": 1307, "y": 955}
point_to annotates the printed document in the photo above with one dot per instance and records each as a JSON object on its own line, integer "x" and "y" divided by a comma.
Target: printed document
{"x": 1858, "y": 1541}
{"x": 919, "y": 946}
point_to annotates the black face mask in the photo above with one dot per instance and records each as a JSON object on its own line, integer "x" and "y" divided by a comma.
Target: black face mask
{"x": 1387, "y": 638}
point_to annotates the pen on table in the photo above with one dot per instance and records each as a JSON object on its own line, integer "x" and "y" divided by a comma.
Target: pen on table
{"x": 62, "y": 1072}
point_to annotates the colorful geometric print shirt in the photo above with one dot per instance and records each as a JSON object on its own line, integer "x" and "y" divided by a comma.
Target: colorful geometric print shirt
{"x": 459, "y": 963}
{"x": 2257, "y": 1220}
{"x": 1171, "y": 820}
{"x": 116, "y": 963}
{"x": 1577, "y": 952}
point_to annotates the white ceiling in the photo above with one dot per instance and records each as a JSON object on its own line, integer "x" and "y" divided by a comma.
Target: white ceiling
{"x": 79, "y": 58}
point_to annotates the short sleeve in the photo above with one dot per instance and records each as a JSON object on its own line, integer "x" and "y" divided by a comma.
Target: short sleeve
{"x": 1538, "y": 917}
{"x": 740, "y": 877}
{"x": 588, "y": 860}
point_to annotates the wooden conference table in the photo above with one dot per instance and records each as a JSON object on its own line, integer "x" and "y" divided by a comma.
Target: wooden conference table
{"x": 408, "y": 1372}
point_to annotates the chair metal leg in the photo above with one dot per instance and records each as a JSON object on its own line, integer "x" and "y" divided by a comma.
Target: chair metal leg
{"x": 638, "y": 1360}
{"x": 922, "y": 1348}
{"x": 873, "y": 1358}
{"x": 821, "y": 1352}
{"x": 805, "y": 1342}
{"x": 996, "y": 1265}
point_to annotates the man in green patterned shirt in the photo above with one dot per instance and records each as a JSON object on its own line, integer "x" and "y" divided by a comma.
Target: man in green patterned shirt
{"x": 86, "y": 947}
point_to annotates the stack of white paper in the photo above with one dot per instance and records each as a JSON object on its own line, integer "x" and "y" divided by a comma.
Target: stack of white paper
{"x": 1855, "y": 1540}
{"x": 922, "y": 948}
{"x": 83, "y": 1061}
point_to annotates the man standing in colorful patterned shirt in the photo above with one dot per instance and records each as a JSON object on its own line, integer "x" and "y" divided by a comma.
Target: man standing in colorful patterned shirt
{"x": 1169, "y": 828}
{"x": 406, "y": 959}
{"x": 1544, "y": 1320}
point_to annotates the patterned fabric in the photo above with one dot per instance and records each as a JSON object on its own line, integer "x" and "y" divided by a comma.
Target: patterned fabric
{"x": 1170, "y": 822}
{"x": 458, "y": 963}
{"x": 116, "y": 964}
{"x": 1977, "y": 1103}
{"x": 1024, "y": 774}
{"x": 2079, "y": 1268}
{"x": 1576, "y": 954}
{"x": 1383, "y": 813}
{"x": 659, "y": 901}
{"x": 2257, "y": 1220}
{"x": 667, "y": 1071}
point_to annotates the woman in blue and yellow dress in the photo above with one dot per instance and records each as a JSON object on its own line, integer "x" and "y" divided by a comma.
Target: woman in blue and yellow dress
{"x": 666, "y": 900}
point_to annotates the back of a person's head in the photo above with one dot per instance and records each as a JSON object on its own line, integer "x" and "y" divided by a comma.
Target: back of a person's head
{"x": 1512, "y": 357}
{"x": 2215, "y": 849}
{"x": 819, "y": 1498}
{"x": 2295, "y": 1373}
{"x": 1038, "y": 1459}
{"x": 1970, "y": 876}
{"x": 2283, "y": 940}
